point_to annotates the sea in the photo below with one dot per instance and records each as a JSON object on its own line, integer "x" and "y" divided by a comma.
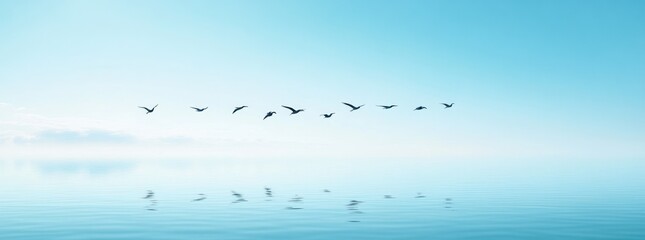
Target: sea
{"x": 314, "y": 198}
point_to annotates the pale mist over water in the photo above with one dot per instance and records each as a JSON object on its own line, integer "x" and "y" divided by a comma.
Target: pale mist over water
{"x": 428, "y": 199}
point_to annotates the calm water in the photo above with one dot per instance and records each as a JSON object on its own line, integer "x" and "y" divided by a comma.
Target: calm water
{"x": 464, "y": 199}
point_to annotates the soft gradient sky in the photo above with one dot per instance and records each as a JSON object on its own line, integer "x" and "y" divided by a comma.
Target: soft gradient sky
{"x": 529, "y": 79}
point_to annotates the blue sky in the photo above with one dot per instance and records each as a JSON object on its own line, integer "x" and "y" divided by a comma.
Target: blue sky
{"x": 528, "y": 78}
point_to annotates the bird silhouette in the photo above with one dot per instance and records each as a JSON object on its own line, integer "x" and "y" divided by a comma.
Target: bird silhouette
{"x": 327, "y": 115}
{"x": 238, "y": 109}
{"x": 386, "y": 107}
{"x": 420, "y": 108}
{"x": 293, "y": 111}
{"x": 148, "y": 109}
{"x": 199, "y": 109}
{"x": 448, "y": 105}
{"x": 269, "y": 114}
{"x": 353, "y": 107}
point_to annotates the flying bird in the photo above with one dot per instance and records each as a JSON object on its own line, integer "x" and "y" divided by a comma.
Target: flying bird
{"x": 293, "y": 111}
{"x": 238, "y": 109}
{"x": 420, "y": 108}
{"x": 448, "y": 105}
{"x": 199, "y": 109}
{"x": 327, "y": 115}
{"x": 148, "y": 109}
{"x": 269, "y": 114}
{"x": 353, "y": 107}
{"x": 386, "y": 107}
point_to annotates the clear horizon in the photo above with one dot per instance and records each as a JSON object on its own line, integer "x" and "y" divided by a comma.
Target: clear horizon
{"x": 550, "y": 79}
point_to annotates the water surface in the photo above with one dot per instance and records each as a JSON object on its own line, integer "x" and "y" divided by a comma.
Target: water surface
{"x": 430, "y": 199}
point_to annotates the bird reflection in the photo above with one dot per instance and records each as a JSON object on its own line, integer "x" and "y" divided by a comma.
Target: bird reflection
{"x": 152, "y": 204}
{"x": 296, "y": 199}
{"x": 200, "y": 198}
{"x": 149, "y": 195}
{"x": 239, "y": 197}
{"x": 448, "y": 203}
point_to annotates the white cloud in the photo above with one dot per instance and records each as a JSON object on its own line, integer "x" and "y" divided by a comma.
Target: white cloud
{"x": 76, "y": 137}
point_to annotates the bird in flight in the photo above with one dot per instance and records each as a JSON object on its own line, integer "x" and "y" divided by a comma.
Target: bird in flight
{"x": 293, "y": 111}
{"x": 238, "y": 109}
{"x": 353, "y": 107}
{"x": 448, "y": 105}
{"x": 199, "y": 109}
{"x": 387, "y": 107}
{"x": 327, "y": 115}
{"x": 420, "y": 108}
{"x": 269, "y": 114}
{"x": 148, "y": 109}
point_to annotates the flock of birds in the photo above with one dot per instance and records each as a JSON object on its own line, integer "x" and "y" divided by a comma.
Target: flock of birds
{"x": 352, "y": 205}
{"x": 296, "y": 111}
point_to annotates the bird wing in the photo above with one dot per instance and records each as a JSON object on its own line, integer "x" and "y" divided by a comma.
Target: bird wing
{"x": 352, "y": 106}
{"x": 290, "y": 108}
{"x": 195, "y": 108}
{"x": 236, "y": 110}
{"x": 153, "y": 108}
{"x": 145, "y": 108}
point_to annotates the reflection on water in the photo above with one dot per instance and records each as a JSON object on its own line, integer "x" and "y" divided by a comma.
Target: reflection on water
{"x": 297, "y": 199}
{"x": 91, "y": 168}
